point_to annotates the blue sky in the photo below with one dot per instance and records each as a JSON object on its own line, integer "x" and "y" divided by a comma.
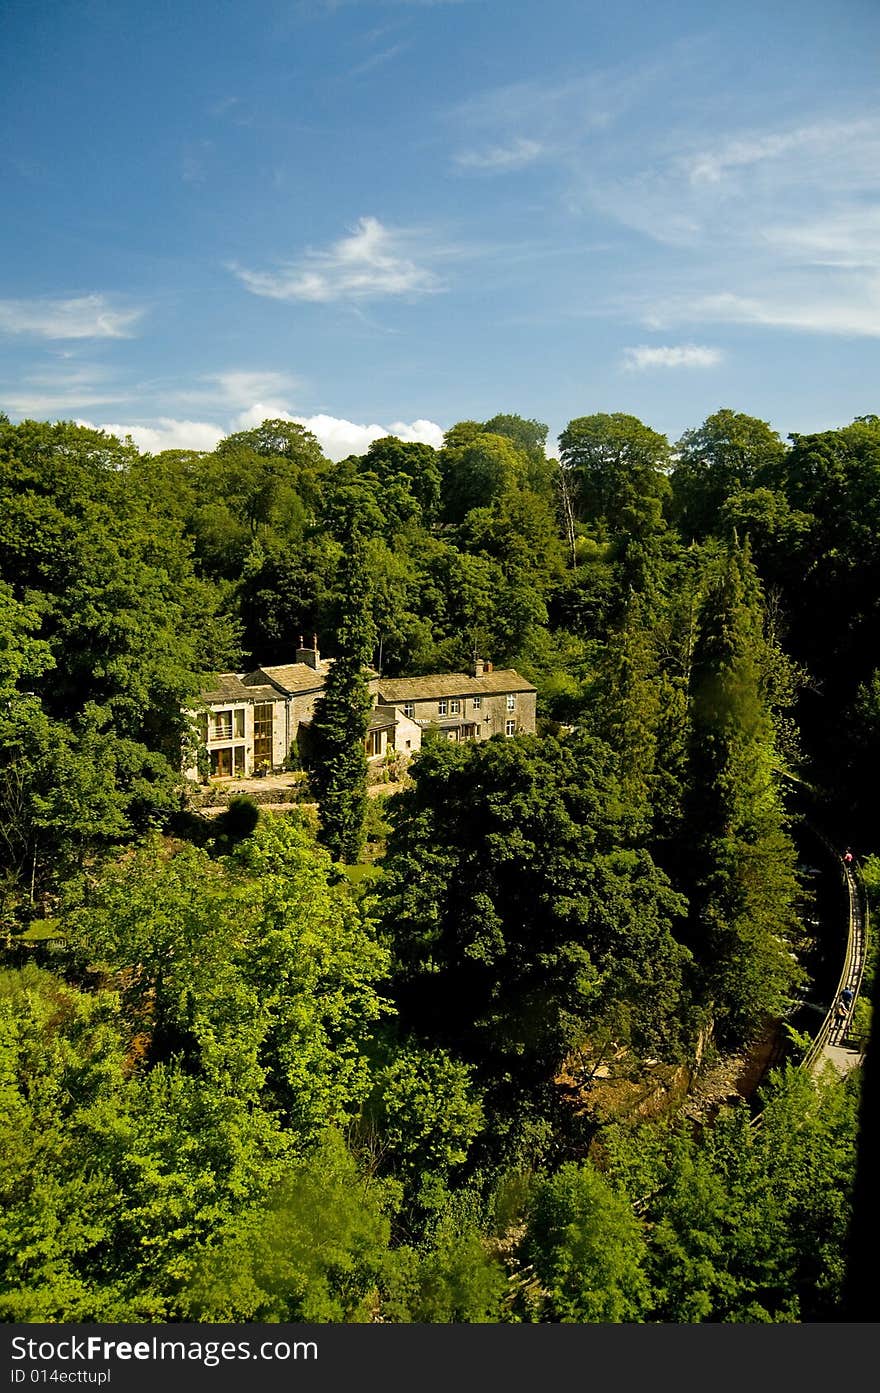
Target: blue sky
{"x": 390, "y": 215}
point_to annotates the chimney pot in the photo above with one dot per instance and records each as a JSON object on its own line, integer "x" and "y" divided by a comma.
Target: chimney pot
{"x": 310, "y": 656}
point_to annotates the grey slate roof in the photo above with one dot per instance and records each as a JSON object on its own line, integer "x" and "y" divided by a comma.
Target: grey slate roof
{"x": 382, "y": 718}
{"x": 452, "y": 684}
{"x": 228, "y": 686}
{"x": 290, "y": 677}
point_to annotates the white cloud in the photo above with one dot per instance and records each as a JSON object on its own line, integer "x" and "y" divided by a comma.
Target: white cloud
{"x": 847, "y": 236}
{"x": 376, "y": 60}
{"x": 371, "y": 262}
{"x": 854, "y": 312}
{"x": 499, "y": 159}
{"x": 240, "y": 387}
{"x": 689, "y": 355}
{"x": 336, "y": 436}
{"x": 166, "y": 434}
{"x": 87, "y": 317}
{"x": 339, "y": 437}
{"x": 791, "y": 215}
{"x": 39, "y": 406}
{"x": 815, "y": 141}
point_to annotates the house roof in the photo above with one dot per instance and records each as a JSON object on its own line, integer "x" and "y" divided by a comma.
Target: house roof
{"x": 228, "y": 686}
{"x": 290, "y": 677}
{"x": 452, "y": 684}
{"x": 382, "y": 718}
{"x": 235, "y": 687}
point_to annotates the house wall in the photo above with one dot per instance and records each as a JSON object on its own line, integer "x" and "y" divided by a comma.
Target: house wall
{"x": 490, "y": 717}
{"x": 218, "y": 740}
{"x": 408, "y": 735}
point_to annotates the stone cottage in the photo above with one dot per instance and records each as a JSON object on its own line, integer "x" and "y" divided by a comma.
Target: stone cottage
{"x": 249, "y": 721}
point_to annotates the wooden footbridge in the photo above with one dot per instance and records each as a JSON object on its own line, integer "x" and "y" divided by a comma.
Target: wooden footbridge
{"x": 835, "y": 1042}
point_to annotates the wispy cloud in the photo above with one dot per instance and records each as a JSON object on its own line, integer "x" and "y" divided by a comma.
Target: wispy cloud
{"x": 836, "y": 308}
{"x": 499, "y": 159}
{"x": 239, "y": 387}
{"x": 817, "y": 140}
{"x": 86, "y": 317}
{"x": 51, "y": 391}
{"x": 781, "y": 228}
{"x": 376, "y": 60}
{"x": 689, "y": 355}
{"x": 372, "y": 262}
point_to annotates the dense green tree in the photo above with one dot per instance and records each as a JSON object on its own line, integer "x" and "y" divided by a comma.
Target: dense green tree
{"x": 740, "y": 872}
{"x": 409, "y": 461}
{"x": 314, "y": 1251}
{"x": 627, "y": 708}
{"x": 343, "y": 710}
{"x": 477, "y": 474}
{"x": 519, "y": 919}
{"x": 586, "y": 1248}
{"x": 254, "y": 972}
{"x": 618, "y": 464}
{"x": 730, "y": 453}
{"x": 744, "y": 1223}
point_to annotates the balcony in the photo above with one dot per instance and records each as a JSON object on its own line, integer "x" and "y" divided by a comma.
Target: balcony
{"x": 222, "y": 731}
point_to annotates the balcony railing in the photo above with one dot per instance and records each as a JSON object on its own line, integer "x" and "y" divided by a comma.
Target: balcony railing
{"x": 222, "y": 732}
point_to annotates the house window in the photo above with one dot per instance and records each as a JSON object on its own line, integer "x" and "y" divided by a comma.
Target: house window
{"x": 221, "y": 763}
{"x": 476, "y": 703}
{"x": 374, "y": 744}
{"x": 511, "y": 702}
{"x": 510, "y": 727}
{"x": 441, "y": 708}
{"x": 238, "y": 758}
{"x": 454, "y": 706}
{"x": 263, "y": 713}
{"x": 222, "y": 725}
{"x": 238, "y": 718}
{"x": 409, "y": 709}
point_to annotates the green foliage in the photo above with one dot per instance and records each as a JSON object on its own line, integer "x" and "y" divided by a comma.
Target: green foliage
{"x": 518, "y": 918}
{"x": 618, "y": 465}
{"x": 107, "y": 1180}
{"x": 730, "y": 454}
{"x": 314, "y": 1251}
{"x": 741, "y": 872}
{"x": 342, "y": 712}
{"x": 587, "y": 1249}
{"x": 171, "y": 1133}
{"x": 427, "y": 1113}
{"x": 254, "y": 973}
{"x": 743, "y": 1223}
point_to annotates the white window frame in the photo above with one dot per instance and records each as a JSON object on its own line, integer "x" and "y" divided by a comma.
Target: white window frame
{"x": 441, "y": 707}
{"x": 454, "y": 706}
{"x": 510, "y": 727}
{"x": 409, "y": 709}
{"x": 476, "y": 703}
{"x": 511, "y": 701}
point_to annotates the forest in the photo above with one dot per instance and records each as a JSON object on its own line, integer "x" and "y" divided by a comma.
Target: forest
{"x": 243, "y": 1082}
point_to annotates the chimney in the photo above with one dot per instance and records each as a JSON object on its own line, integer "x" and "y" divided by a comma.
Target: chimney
{"x": 488, "y": 667}
{"x": 479, "y": 666}
{"x": 310, "y": 656}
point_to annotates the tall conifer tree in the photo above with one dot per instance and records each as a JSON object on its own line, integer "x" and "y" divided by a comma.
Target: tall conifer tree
{"x": 741, "y": 874}
{"x": 342, "y": 713}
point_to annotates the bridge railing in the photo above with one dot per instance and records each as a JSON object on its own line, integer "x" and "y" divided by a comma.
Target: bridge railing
{"x": 853, "y": 965}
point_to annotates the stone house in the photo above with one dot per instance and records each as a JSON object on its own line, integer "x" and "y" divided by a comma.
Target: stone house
{"x": 470, "y": 705}
{"x": 250, "y": 721}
